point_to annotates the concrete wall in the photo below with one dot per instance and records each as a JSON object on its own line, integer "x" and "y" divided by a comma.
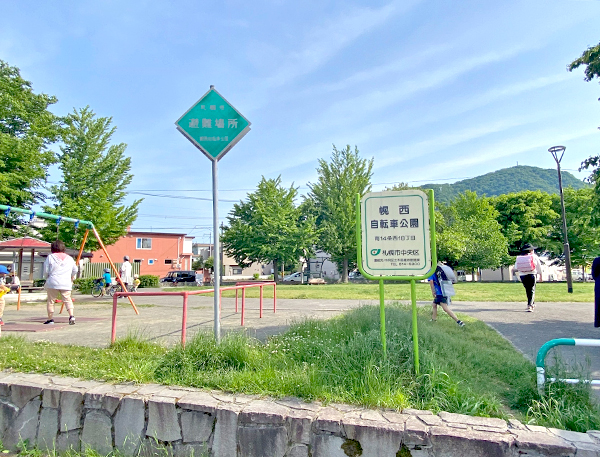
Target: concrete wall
{"x": 59, "y": 413}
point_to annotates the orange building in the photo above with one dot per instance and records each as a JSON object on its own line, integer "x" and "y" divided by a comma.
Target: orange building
{"x": 157, "y": 253}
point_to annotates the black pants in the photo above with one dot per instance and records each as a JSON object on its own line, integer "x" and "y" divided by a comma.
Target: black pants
{"x": 529, "y": 284}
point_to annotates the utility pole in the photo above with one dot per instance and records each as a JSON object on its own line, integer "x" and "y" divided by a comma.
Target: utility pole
{"x": 555, "y": 151}
{"x": 221, "y": 257}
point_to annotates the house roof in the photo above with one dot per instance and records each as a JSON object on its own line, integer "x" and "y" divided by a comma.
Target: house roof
{"x": 25, "y": 242}
{"x": 149, "y": 234}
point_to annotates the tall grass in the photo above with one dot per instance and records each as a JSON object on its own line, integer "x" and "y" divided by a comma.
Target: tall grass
{"x": 469, "y": 370}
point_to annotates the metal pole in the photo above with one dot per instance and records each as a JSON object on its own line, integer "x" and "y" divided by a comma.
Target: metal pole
{"x": 382, "y": 317}
{"x": 555, "y": 150}
{"x": 415, "y": 332}
{"x": 216, "y": 260}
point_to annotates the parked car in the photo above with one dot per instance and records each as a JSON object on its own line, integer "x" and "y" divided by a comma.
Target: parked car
{"x": 309, "y": 278}
{"x": 178, "y": 277}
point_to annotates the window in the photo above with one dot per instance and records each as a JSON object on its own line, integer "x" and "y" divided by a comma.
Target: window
{"x": 168, "y": 261}
{"x": 236, "y": 271}
{"x": 150, "y": 261}
{"x": 143, "y": 243}
{"x": 137, "y": 260}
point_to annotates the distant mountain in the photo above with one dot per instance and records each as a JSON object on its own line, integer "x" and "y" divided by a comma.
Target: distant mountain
{"x": 505, "y": 181}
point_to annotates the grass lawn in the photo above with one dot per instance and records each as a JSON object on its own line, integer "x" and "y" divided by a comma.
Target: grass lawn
{"x": 465, "y": 291}
{"x": 470, "y": 370}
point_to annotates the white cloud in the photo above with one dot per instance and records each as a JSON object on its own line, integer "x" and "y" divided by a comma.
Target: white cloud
{"x": 327, "y": 39}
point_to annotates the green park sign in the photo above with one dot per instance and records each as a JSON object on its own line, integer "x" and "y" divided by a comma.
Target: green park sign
{"x": 396, "y": 233}
{"x": 213, "y": 125}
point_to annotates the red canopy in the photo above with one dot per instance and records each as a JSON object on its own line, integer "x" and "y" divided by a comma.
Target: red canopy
{"x": 26, "y": 243}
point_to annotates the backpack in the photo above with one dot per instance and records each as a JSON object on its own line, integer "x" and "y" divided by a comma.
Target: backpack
{"x": 525, "y": 263}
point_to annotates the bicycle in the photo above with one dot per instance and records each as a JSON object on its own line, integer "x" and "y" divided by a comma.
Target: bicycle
{"x": 117, "y": 288}
{"x": 98, "y": 289}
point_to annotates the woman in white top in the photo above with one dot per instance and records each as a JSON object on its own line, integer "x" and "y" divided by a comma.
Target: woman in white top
{"x": 60, "y": 271}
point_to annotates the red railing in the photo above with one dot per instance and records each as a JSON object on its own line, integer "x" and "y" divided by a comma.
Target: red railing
{"x": 186, "y": 293}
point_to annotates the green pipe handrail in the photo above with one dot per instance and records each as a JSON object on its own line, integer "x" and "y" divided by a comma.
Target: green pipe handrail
{"x": 541, "y": 358}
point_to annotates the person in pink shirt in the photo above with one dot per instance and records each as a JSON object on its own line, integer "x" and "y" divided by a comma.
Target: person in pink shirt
{"x": 60, "y": 271}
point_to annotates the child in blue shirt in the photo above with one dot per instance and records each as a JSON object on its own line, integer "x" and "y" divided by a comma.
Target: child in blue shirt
{"x": 440, "y": 296}
{"x": 107, "y": 279}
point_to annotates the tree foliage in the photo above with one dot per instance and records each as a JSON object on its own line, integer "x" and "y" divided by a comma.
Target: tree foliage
{"x": 333, "y": 198}
{"x": 268, "y": 227}
{"x": 525, "y": 217}
{"x": 591, "y": 60}
{"x": 95, "y": 175}
{"x": 469, "y": 233}
{"x": 27, "y": 129}
{"x": 584, "y": 237}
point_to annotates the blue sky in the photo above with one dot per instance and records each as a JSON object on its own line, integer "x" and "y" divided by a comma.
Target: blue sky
{"x": 434, "y": 91}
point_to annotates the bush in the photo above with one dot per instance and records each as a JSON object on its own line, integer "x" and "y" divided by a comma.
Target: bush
{"x": 39, "y": 282}
{"x": 149, "y": 281}
{"x": 256, "y": 276}
{"x": 84, "y": 285}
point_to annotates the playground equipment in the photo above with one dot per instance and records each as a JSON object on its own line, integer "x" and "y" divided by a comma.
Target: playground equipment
{"x": 185, "y": 294}
{"x": 541, "y": 357}
{"x": 60, "y": 219}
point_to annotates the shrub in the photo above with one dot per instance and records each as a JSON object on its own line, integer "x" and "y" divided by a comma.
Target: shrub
{"x": 256, "y": 276}
{"x": 84, "y": 285}
{"x": 149, "y": 281}
{"x": 39, "y": 282}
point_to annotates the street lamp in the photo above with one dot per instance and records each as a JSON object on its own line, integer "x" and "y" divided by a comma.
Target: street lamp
{"x": 555, "y": 151}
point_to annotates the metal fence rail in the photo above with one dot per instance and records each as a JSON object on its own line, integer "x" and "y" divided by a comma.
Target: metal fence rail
{"x": 541, "y": 358}
{"x": 186, "y": 293}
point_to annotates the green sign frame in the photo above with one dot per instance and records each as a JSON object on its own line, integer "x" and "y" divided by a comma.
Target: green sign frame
{"x": 411, "y": 278}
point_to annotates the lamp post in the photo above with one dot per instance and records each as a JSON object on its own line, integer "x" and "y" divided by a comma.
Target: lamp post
{"x": 555, "y": 151}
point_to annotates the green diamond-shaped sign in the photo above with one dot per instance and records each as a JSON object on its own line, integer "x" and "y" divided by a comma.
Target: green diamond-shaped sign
{"x": 213, "y": 125}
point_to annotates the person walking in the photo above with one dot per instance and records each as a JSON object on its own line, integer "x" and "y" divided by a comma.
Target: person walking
{"x": 442, "y": 289}
{"x": 528, "y": 266}
{"x": 125, "y": 272}
{"x": 596, "y": 276}
{"x": 60, "y": 271}
{"x": 3, "y": 290}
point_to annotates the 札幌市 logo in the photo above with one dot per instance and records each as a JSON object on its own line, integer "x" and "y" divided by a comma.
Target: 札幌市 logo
{"x": 375, "y": 251}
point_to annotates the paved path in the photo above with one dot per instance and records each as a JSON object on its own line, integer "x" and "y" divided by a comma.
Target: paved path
{"x": 160, "y": 319}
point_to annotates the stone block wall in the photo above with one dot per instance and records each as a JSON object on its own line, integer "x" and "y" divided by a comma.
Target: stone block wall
{"x": 61, "y": 413}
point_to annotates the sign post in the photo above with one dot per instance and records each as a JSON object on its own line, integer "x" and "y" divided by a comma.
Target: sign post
{"x": 214, "y": 126}
{"x": 395, "y": 238}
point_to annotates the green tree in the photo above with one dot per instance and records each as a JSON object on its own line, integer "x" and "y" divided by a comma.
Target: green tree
{"x": 209, "y": 263}
{"x": 268, "y": 227}
{"x": 584, "y": 237}
{"x": 471, "y": 233}
{"x": 590, "y": 59}
{"x": 334, "y": 199}
{"x": 198, "y": 264}
{"x": 95, "y": 177}
{"x": 525, "y": 217}
{"x": 27, "y": 129}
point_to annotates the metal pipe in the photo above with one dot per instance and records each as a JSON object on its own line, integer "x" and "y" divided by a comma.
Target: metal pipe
{"x": 243, "y": 303}
{"x": 45, "y": 215}
{"x": 261, "y": 301}
{"x": 113, "y": 334}
{"x": 216, "y": 260}
{"x": 184, "y": 319}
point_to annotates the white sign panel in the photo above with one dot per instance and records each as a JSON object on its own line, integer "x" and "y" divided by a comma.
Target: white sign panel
{"x": 395, "y": 233}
